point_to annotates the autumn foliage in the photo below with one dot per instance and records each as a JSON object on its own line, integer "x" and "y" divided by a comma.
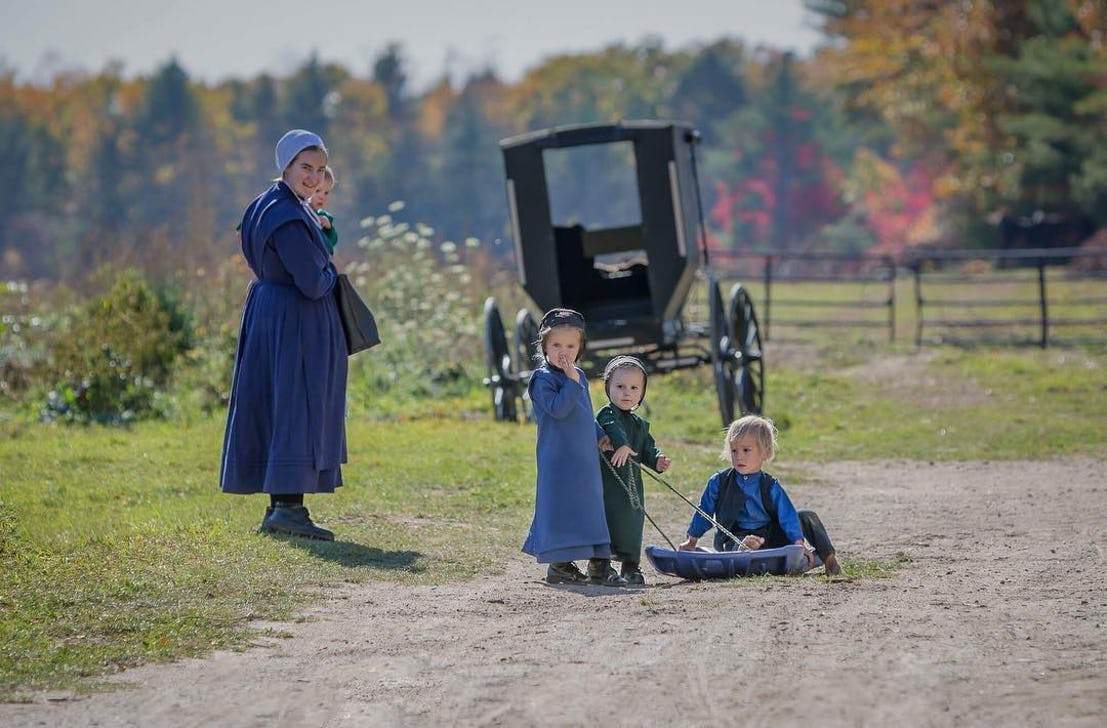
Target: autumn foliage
{"x": 913, "y": 126}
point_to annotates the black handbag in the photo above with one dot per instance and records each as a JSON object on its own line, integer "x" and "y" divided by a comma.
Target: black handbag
{"x": 357, "y": 320}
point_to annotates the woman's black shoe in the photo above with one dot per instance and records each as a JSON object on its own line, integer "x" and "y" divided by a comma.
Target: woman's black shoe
{"x": 293, "y": 519}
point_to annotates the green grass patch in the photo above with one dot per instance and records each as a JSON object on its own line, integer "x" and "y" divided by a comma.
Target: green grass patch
{"x": 118, "y": 548}
{"x": 875, "y": 568}
{"x": 961, "y": 404}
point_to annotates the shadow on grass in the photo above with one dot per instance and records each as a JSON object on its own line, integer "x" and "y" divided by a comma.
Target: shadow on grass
{"x": 352, "y": 554}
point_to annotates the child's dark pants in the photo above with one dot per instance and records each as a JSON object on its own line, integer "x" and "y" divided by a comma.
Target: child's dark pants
{"x": 813, "y": 531}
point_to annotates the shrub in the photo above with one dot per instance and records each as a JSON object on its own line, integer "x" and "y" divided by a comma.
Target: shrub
{"x": 32, "y": 318}
{"x": 21, "y": 350}
{"x": 117, "y": 354}
{"x": 203, "y": 379}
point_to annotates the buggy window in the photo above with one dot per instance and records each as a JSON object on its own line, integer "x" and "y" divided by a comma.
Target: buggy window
{"x": 595, "y": 185}
{"x": 594, "y": 188}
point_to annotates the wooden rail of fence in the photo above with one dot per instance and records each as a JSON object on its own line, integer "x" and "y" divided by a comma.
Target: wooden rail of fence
{"x": 933, "y": 269}
{"x": 934, "y": 276}
{"x": 831, "y": 269}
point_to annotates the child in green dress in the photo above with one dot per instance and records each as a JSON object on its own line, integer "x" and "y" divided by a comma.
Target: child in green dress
{"x": 319, "y": 203}
{"x": 625, "y": 380}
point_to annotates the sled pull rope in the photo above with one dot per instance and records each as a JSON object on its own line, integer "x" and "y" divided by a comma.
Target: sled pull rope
{"x": 650, "y": 472}
{"x": 634, "y": 501}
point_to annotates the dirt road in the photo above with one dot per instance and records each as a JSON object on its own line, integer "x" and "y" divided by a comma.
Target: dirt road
{"x": 996, "y": 613}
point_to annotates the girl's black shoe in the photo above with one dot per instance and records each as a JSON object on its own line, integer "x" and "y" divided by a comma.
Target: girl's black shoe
{"x": 565, "y": 572}
{"x": 632, "y": 574}
{"x": 602, "y": 573}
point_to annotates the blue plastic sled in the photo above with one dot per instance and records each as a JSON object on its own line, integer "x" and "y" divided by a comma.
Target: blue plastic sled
{"x": 703, "y": 564}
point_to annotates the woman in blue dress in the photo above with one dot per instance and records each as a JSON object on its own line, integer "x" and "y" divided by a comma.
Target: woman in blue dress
{"x": 569, "y": 521}
{"x": 285, "y": 431}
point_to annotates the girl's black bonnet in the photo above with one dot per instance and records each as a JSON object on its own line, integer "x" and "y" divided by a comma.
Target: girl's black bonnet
{"x": 562, "y": 317}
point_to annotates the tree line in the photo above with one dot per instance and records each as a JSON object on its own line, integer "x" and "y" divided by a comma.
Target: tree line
{"x": 918, "y": 124}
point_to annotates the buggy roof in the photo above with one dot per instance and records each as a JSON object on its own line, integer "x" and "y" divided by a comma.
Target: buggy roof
{"x": 597, "y": 133}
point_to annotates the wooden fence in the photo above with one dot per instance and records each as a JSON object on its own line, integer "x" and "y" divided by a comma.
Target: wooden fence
{"x": 1039, "y": 296}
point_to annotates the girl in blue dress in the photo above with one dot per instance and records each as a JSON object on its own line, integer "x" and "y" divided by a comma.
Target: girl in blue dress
{"x": 569, "y": 522}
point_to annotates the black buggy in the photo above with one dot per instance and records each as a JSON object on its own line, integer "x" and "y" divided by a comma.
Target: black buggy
{"x": 607, "y": 219}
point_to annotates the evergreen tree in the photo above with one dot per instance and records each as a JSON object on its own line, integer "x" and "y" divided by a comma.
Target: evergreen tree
{"x": 471, "y": 168}
{"x": 307, "y": 97}
{"x": 170, "y": 109}
{"x": 1055, "y": 114}
{"x": 389, "y": 72}
{"x": 15, "y": 157}
{"x": 399, "y": 177}
{"x": 32, "y": 153}
{"x": 164, "y": 144}
{"x": 711, "y": 88}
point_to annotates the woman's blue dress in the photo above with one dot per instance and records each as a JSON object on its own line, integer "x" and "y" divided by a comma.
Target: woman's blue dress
{"x": 286, "y": 422}
{"x": 569, "y": 520}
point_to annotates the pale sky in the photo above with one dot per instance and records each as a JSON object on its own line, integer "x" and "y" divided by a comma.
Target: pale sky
{"x": 219, "y": 39}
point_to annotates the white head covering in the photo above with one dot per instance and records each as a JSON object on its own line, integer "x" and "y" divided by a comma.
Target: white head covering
{"x": 294, "y": 142}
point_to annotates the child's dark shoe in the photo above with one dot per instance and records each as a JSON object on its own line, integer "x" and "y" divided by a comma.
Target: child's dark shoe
{"x": 602, "y": 573}
{"x": 632, "y": 574}
{"x": 565, "y": 572}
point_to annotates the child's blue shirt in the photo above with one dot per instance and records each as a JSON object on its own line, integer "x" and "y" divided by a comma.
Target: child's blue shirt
{"x": 753, "y": 516}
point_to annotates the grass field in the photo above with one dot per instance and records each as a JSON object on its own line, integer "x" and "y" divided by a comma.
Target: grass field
{"x": 118, "y": 549}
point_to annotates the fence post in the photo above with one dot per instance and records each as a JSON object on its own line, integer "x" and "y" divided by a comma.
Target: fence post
{"x": 768, "y": 288}
{"x": 891, "y": 298}
{"x": 916, "y": 266}
{"x": 1042, "y": 303}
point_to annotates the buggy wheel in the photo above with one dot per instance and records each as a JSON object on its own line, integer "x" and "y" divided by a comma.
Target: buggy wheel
{"x": 526, "y": 340}
{"x": 500, "y": 378}
{"x": 722, "y": 360}
{"x": 526, "y": 349}
{"x": 745, "y": 337}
